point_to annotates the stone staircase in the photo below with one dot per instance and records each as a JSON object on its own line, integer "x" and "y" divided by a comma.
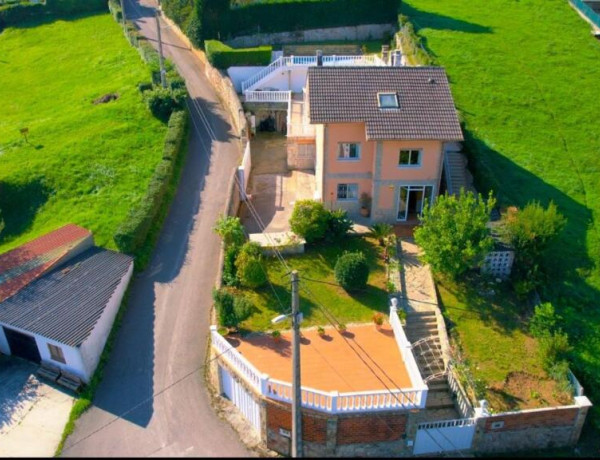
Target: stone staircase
{"x": 455, "y": 169}
{"x": 421, "y": 330}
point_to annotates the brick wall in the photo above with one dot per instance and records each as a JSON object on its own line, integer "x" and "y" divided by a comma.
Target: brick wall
{"x": 371, "y": 428}
{"x": 537, "y": 419}
{"x": 314, "y": 427}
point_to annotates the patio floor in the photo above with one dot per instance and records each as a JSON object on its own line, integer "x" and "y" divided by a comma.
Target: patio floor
{"x": 328, "y": 363}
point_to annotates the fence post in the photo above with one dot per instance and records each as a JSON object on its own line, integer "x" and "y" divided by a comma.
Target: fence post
{"x": 334, "y": 401}
{"x": 264, "y": 383}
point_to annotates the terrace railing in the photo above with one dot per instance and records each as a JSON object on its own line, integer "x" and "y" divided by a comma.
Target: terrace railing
{"x": 268, "y": 96}
{"x": 289, "y": 61}
{"x": 331, "y": 402}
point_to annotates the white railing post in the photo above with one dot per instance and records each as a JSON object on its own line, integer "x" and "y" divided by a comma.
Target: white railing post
{"x": 264, "y": 382}
{"x": 334, "y": 401}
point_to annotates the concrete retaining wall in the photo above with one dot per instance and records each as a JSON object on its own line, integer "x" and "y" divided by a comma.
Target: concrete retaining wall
{"x": 363, "y": 32}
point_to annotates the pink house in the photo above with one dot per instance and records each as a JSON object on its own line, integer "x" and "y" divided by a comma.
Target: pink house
{"x": 380, "y": 131}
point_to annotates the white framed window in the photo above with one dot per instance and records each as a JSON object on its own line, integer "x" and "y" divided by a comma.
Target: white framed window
{"x": 348, "y": 192}
{"x": 349, "y": 151}
{"x": 410, "y": 158}
{"x": 387, "y": 100}
{"x": 56, "y": 353}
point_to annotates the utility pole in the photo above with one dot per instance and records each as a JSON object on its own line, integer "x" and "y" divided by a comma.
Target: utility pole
{"x": 296, "y": 387}
{"x": 163, "y": 76}
{"x": 123, "y": 11}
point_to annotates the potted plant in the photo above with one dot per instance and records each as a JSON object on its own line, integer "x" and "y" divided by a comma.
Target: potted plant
{"x": 276, "y": 336}
{"x": 365, "y": 204}
{"x": 342, "y": 327}
{"x": 224, "y": 331}
{"x": 321, "y": 331}
{"x": 378, "y": 320}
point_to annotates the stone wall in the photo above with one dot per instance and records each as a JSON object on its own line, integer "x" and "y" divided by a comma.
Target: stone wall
{"x": 363, "y": 32}
{"x": 531, "y": 429}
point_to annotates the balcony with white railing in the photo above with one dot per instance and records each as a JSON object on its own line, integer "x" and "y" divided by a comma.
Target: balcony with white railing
{"x": 335, "y": 388}
{"x": 309, "y": 61}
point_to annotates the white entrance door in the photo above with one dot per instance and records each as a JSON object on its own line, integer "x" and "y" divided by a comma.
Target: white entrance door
{"x": 238, "y": 395}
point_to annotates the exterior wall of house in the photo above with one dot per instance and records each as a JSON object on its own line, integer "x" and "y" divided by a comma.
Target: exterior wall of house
{"x": 73, "y": 362}
{"x": 4, "y": 348}
{"x": 92, "y": 347}
{"x": 319, "y": 161}
{"x": 376, "y": 172}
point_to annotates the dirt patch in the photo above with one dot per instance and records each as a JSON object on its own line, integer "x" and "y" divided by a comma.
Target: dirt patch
{"x": 521, "y": 390}
{"x": 106, "y": 98}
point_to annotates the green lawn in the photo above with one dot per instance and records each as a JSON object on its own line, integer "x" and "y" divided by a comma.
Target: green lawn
{"x": 524, "y": 76}
{"x": 84, "y": 163}
{"x": 317, "y": 263}
{"x": 493, "y": 338}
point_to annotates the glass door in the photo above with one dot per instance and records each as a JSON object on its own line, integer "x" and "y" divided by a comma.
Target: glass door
{"x": 403, "y": 203}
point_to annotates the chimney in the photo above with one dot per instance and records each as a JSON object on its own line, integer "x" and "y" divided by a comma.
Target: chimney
{"x": 385, "y": 53}
{"x": 319, "y": 58}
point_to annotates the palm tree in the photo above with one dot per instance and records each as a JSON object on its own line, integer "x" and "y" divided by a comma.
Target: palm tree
{"x": 381, "y": 231}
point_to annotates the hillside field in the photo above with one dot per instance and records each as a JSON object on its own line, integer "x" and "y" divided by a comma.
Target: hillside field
{"x": 83, "y": 163}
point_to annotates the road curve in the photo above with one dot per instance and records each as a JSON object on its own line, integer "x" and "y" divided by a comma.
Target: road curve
{"x": 162, "y": 339}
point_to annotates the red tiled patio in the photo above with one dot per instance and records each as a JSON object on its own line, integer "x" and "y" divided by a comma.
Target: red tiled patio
{"x": 328, "y": 363}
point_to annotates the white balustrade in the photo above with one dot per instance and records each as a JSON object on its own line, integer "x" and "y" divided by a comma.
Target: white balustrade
{"x": 289, "y": 61}
{"x": 268, "y": 96}
{"x": 331, "y": 402}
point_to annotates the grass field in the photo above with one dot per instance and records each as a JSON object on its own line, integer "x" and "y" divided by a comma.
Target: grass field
{"x": 83, "y": 163}
{"x": 522, "y": 74}
{"x": 318, "y": 263}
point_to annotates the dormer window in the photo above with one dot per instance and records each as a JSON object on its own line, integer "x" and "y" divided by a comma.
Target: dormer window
{"x": 388, "y": 100}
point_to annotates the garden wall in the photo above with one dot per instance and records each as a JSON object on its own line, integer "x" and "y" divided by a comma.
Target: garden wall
{"x": 531, "y": 429}
{"x": 361, "y": 32}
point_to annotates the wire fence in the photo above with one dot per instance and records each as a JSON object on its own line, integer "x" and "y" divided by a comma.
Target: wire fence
{"x": 412, "y": 47}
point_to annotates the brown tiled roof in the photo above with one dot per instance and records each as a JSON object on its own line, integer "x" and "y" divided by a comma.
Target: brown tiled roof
{"x": 28, "y": 262}
{"x": 349, "y": 94}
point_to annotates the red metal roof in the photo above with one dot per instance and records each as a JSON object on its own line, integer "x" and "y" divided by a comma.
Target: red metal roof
{"x": 24, "y": 264}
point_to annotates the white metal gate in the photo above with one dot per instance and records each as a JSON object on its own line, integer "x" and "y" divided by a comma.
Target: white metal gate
{"x": 241, "y": 397}
{"x": 444, "y": 436}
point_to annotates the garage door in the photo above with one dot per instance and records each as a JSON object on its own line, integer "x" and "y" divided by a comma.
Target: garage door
{"x": 22, "y": 345}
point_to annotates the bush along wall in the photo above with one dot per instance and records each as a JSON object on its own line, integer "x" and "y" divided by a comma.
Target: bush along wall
{"x": 215, "y": 19}
{"x": 222, "y": 56}
{"x": 17, "y": 13}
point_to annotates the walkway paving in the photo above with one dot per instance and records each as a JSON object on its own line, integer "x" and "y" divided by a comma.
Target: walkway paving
{"x": 328, "y": 363}
{"x": 417, "y": 282}
{"x": 33, "y": 414}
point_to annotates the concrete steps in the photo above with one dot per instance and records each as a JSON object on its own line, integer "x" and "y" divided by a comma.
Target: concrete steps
{"x": 456, "y": 172}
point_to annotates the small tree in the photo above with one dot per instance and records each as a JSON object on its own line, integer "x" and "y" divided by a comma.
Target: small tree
{"x": 231, "y": 230}
{"x": 530, "y": 232}
{"x": 352, "y": 271}
{"x": 250, "y": 266}
{"x": 309, "y": 220}
{"x": 381, "y": 231}
{"x": 453, "y": 232}
{"x": 224, "y": 301}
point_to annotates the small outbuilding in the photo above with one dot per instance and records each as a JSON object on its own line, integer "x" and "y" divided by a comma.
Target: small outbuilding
{"x": 59, "y": 295}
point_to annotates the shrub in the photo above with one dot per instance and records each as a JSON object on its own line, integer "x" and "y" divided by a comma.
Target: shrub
{"x": 133, "y": 231}
{"x": 162, "y": 102}
{"x": 381, "y": 231}
{"x": 352, "y": 271}
{"x": 242, "y": 307}
{"x": 453, "y": 233}
{"x": 231, "y": 230}
{"x": 229, "y": 271}
{"x": 224, "y": 301}
{"x": 309, "y": 220}
{"x": 222, "y": 56}
{"x": 250, "y": 266}
{"x": 338, "y": 225}
{"x": 554, "y": 348}
{"x": 544, "y": 320}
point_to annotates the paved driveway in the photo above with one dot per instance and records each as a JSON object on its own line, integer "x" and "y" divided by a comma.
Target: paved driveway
{"x": 32, "y": 413}
{"x": 153, "y": 400}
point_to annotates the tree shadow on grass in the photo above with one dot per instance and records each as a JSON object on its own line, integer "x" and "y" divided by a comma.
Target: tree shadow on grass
{"x": 43, "y": 17}
{"x": 19, "y": 203}
{"x": 421, "y": 18}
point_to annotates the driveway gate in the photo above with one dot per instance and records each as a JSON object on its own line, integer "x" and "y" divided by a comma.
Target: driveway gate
{"x": 241, "y": 397}
{"x": 444, "y": 436}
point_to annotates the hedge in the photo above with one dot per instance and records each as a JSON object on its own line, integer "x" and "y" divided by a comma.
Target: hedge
{"x": 222, "y": 56}
{"x": 17, "y": 13}
{"x": 133, "y": 231}
{"x": 219, "y": 21}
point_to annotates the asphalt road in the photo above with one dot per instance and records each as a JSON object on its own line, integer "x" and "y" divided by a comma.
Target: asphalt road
{"x": 163, "y": 336}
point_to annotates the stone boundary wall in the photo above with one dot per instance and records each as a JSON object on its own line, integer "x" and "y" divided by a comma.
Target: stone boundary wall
{"x": 362, "y": 32}
{"x": 222, "y": 84}
{"x": 531, "y": 429}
